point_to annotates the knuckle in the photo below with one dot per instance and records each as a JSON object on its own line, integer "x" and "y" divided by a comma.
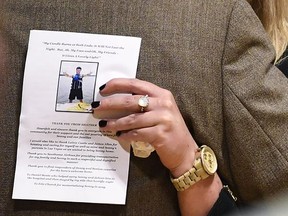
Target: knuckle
{"x": 161, "y": 135}
{"x": 125, "y": 123}
{"x": 167, "y": 121}
{"x": 167, "y": 104}
{"x": 128, "y": 101}
{"x": 131, "y": 120}
{"x": 167, "y": 100}
{"x": 131, "y": 85}
{"x": 117, "y": 126}
{"x": 169, "y": 118}
{"x": 134, "y": 133}
{"x": 105, "y": 103}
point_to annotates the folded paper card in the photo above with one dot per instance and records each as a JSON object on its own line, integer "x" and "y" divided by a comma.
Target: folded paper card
{"x": 62, "y": 155}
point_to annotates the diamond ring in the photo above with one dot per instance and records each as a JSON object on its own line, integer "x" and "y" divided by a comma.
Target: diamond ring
{"x": 143, "y": 102}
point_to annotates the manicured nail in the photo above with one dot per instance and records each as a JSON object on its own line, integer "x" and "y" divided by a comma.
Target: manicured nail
{"x": 102, "y": 87}
{"x": 95, "y": 104}
{"x": 118, "y": 133}
{"x": 102, "y": 123}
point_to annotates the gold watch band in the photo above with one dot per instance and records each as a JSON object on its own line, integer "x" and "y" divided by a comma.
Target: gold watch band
{"x": 205, "y": 164}
{"x": 195, "y": 174}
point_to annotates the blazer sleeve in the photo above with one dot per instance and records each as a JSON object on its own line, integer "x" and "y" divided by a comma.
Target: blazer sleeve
{"x": 255, "y": 101}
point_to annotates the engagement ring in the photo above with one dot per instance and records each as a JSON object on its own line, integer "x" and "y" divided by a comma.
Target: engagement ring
{"x": 143, "y": 102}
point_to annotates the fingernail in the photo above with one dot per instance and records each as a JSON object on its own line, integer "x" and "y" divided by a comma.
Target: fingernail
{"x": 118, "y": 133}
{"x": 102, "y": 123}
{"x": 102, "y": 87}
{"x": 95, "y": 104}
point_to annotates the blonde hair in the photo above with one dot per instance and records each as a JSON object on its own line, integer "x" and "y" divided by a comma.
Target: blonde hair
{"x": 274, "y": 17}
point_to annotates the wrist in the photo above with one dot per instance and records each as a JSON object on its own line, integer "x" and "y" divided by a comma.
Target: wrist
{"x": 185, "y": 165}
{"x": 205, "y": 165}
{"x": 200, "y": 198}
{"x": 199, "y": 185}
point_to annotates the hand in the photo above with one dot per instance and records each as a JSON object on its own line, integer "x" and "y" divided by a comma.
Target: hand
{"x": 161, "y": 124}
{"x": 66, "y": 74}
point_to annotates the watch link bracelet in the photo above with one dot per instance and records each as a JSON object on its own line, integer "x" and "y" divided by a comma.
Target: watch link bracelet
{"x": 205, "y": 165}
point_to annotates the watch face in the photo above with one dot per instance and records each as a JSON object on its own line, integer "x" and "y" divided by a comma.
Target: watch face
{"x": 209, "y": 160}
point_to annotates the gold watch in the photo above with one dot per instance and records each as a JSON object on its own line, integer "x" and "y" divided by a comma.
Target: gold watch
{"x": 205, "y": 165}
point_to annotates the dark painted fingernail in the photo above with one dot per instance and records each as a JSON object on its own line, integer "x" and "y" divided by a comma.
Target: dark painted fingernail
{"x": 102, "y": 123}
{"x": 102, "y": 87}
{"x": 118, "y": 133}
{"x": 95, "y": 104}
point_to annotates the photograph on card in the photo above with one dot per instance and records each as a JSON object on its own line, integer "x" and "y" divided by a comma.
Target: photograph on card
{"x": 76, "y": 86}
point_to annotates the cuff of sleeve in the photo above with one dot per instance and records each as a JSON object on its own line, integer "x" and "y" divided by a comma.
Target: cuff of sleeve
{"x": 225, "y": 203}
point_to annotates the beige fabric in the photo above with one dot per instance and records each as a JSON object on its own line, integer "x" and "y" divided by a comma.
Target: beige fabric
{"x": 215, "y": 58}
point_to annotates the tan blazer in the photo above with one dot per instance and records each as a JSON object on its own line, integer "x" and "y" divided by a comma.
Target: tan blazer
{"x": 213, "y": 55}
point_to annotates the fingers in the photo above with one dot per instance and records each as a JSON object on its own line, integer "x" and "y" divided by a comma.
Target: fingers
{"x": 155, "y": 120}
{"x": 143, "y": 134}
{"x": 140, "y": 126}
{"x": 137, "y": 116}
{"x": 131, "y": 131}
{"x": 130, "y": 86}
{"x": 133, "y": 121}
{"x": 131, "y": 103}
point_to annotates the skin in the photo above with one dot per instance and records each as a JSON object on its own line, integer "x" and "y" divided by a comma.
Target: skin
{"x": 163, "y": 126}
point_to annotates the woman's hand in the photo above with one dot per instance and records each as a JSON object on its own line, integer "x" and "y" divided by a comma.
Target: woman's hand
{"x": 160, "y": 124}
